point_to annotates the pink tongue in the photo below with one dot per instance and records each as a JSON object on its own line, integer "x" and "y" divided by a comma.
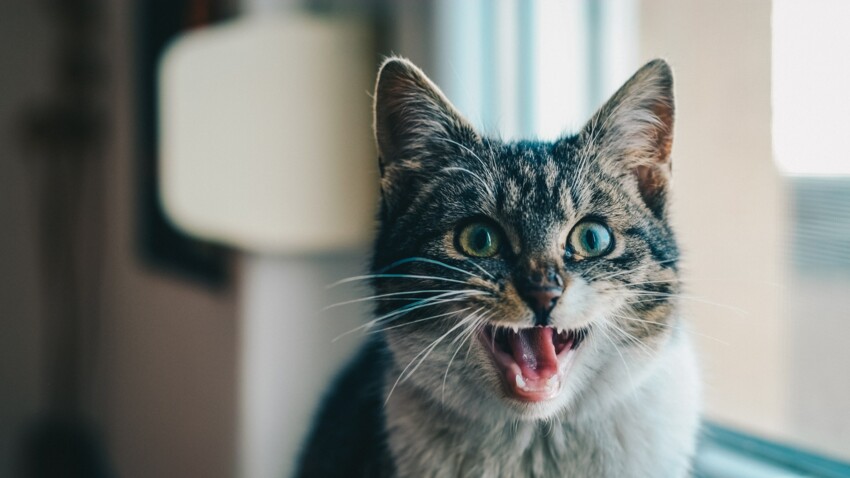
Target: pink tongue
{"x": 534, "y": 352}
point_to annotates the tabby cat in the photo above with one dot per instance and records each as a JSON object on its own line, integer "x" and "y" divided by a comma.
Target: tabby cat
{"x": 527, "y": 321}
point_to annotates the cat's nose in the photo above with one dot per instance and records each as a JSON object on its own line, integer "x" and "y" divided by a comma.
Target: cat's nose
{"x": 541, "y": 291}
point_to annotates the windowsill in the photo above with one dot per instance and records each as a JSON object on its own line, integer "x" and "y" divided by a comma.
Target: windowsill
{"x": 725, "y": 453}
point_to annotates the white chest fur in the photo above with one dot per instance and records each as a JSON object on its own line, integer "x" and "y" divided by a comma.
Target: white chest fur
{"x": 648, "y": 432}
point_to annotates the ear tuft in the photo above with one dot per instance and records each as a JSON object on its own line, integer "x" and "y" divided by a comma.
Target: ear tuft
{"x": 635, "y": 129}
{"x": 409, "y": 111}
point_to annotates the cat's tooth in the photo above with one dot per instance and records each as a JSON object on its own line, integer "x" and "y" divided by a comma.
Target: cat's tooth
{"x": 552, "y": 382}
{"x": 520, "y": 381}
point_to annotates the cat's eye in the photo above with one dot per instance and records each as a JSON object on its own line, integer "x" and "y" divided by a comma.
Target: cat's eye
{"x": 479, "y": 239}
{"x": 591, "y": 239}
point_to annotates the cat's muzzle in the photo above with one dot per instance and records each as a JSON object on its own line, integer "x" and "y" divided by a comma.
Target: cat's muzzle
{"x": 533, "y": 361}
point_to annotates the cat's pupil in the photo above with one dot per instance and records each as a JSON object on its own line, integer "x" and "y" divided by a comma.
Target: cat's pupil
{"x": 482, "y": 240}
{"x": 590, "y": 240}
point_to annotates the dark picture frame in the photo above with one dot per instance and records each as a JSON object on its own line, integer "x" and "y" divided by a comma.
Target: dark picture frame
{"x": 158, "y": 241}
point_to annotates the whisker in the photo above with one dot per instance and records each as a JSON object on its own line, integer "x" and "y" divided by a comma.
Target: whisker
{"x": 426, "y": 351}
{"x": 480, "y": 326}
{"x": 595, "y": 347}
{"x": 632, "y": 270}
{"x": 692, "y": 280}
{"x": 481, "y": 268}
{"x": 604, "y": 334}
{"x": 650, "y": 282}
{"x": 370, "y": 324}
{"x": 429, "y": 261}
{"x": 404, "y": 310}
{"x": 741, "y": 312}
{"x": 465, "y": 321}
{"x": 468, "y": 150}
{"x": 433, "y": 317}
{"x": 391, "y": 294}
{"x": 464, "y": 334}
{"x": 438, "y": 299}
{"x": 669, "y": 326}
{"x": 631, "y": 338}
{"x": 394, "y": 276}
{"x": 635, "y": 319}
{"x": 476, "y": 176}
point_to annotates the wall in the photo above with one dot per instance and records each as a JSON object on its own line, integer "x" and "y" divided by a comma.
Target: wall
{"x": 169, "y": 346}
{"x": 24, "y": 49}
{"x": 729, "y": 202}
{"x": 165, "y": 388}
{"x": 290, "y": 352}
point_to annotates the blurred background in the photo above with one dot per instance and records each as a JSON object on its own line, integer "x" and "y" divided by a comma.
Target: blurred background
{"x": 181, "y": 179}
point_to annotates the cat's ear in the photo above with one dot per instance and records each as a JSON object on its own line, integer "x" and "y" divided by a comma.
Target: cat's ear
{"x": 635, "y": 129}
{"x": 412, "y": 116}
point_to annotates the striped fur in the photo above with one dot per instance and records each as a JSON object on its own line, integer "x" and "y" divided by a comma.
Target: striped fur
{"x": 629, "y": 406}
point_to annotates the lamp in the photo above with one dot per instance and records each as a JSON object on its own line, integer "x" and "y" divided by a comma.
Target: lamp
{"x": 265, "y": 134}
{"x": 266, "y": 146}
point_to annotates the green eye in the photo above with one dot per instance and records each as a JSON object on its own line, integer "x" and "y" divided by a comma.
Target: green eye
{"x": 591, "y": 239}
{"x": 479, "y": 239}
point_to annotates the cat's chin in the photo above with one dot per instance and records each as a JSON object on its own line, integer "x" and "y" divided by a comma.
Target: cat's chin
{"x": 533, "y": 362}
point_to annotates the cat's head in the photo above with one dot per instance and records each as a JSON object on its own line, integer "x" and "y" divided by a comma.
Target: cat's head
{"x": 523, "y": 275}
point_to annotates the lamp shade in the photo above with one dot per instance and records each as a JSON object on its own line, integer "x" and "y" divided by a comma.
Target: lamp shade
{"x": 265, "y": 140}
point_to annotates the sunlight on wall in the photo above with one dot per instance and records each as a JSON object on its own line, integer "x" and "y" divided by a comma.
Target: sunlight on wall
{"x": 533, "y": 69}
{"x": 560, "y": 85}
{"x": 811, "y": 74}
{"x": 584, "y": 51}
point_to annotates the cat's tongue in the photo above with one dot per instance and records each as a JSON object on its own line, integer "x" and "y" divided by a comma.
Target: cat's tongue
{"x": 533, "y": 360}
{"x": 534, "y": 351}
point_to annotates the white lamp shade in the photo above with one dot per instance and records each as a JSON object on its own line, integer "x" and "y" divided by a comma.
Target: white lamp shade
{"x": 265, "y": 140}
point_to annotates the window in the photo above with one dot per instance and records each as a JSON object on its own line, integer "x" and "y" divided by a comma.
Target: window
{"x": 762, "y": 186}
{"x": 811, "y": 105}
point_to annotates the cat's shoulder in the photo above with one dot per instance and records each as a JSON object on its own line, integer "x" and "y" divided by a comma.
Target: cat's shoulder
{"x": 347, "y": 437}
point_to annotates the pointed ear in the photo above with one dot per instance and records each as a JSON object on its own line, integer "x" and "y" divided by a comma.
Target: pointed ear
{"x": 411, "y": 115}
{"x": 635, "y": 129}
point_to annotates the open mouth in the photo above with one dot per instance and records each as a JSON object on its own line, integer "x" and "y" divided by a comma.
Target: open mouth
{"x": 533, "y": 360}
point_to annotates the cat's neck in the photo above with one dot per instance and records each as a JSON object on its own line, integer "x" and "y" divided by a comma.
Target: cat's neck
{"x": 649, "y": 425}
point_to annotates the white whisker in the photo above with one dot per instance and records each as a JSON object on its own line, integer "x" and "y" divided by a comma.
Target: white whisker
{"x": 466, "y": 334}
{"x": 402, "y": 311}
{"x": 669, "y": 326}
{"x": 428, "y": 261}
{"x": 658, "y": 295}
{"x": 394, "y": 276}
{"x": 631, "y": 338}
{"x": 476, "y": 176}
{"x": 426, "y": 351}
{"x": 433, "y": 317}
{"x": 481, "y": 268}
{"x": 632, "y": 270}
{"x": 383, "y": 296}
{"x": 480, "y": 161}
{"x": 623, "y": 359}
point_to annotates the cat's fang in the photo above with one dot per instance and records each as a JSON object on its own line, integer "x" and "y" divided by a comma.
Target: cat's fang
{"x": 551, "y": 386}
{"x": 520, "y": 382}
{"x": 533, "y": 360}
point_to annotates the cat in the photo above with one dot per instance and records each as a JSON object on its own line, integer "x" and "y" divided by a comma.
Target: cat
{"x": 527, "y": 321}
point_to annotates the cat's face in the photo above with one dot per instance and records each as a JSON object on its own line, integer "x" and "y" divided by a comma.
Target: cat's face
{"x": 523, "y": 276}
